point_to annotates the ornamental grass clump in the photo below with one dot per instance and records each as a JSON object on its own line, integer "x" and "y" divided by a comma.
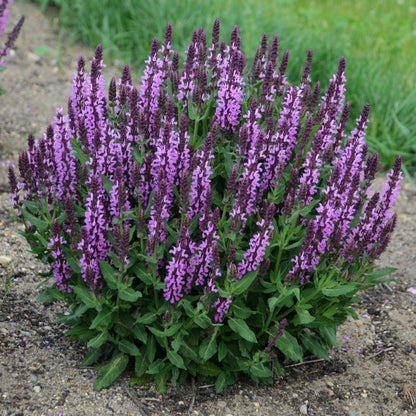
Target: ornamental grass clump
{"x": 214, "y": 221}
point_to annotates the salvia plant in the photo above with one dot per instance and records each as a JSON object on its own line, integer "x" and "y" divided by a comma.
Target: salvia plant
{"x": 11, "y": 38}
{"x": 213, "y": 222}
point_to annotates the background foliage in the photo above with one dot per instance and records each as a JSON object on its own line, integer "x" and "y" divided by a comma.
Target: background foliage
{"x": 377, "y": 38}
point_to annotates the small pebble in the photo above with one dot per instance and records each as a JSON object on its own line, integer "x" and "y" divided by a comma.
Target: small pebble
{"x": 221, "y": 404}
{"x": 33, "y": 378}
{"x": 37, "y": 389}
{"x": 5, "y": 260}
{"x": 304, "y": 409}
{"x": 32, "y": 57}
{"x": 351, "y": 413}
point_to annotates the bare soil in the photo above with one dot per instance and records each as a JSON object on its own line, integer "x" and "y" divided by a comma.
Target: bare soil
{"x": 373, "y": 372}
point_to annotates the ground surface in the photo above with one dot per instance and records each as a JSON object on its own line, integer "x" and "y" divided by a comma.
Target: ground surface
{"x": 372, "y": 373}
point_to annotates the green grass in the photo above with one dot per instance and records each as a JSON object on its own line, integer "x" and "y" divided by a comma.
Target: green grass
{"x": 377, "y": 38}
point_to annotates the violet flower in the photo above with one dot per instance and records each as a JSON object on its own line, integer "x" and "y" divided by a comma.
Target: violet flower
{"x": 65, "y": 162}
{"x": 282, "y": 143}
{"x": 257, "y": 245}
{"x": 277, "y": 334}
{"x": 62, "y": 271}
{"x": 94, "y": 244}
{"x": 181, "y": 267}
{"x": 230, "y": 89}
{"x": 152, "y": 89}
{"x": 119, "y": 203}
{"x": 221, "y": 305}
{"x": 204, "y": 253}
{"x": 201, "y": 181}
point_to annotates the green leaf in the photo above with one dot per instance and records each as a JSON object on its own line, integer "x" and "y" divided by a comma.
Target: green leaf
{"x": 139, "y": 272}
{"x": 259, "y": 371}
{"x": 32, "y": 206}
{"x": 141, "y": 364}
{"x": 83, "y": 295}
{"x": 104, "y": 319}
{"x": 303, "y": 317}
{"x": 339, "y": 291}
{"x": 160, "y": 335}
{"x": 41, "y": 225}
{"x": 108, "y": 185}
{"x": 240, "y": 286}
{"x": 209, "y": 345}
{"x": 42, "y": 50}
{"x": 146, "y": 319}
{"x": 329, "y": 333}
{"x": 242, "y": 329}
{"x": 203, "y": 321}
{"x": 80, "y": 332}
{"x": 109, "y": 275}
{"x": 72, "y": 260}
{"x": 140, "y": 333}
{"x": 222, "y": 350}
{"x": 224, "y": 380}
{"x": 314, "y": 344}
{"x": 209, "y": 369}
{"x": 290, "y": 347}
{"x": 286, "y": 298}
{"x": 160, "y": 382}
{"x": 189, "y": 351}
{"x": 187, "y": 306}
{"x": 129, "y": 295}
{"x": 92, "y": 356}
{"x": 49, "y": 294}
{"x": 306, "y": 210}
{"x": 128, "y": 347}
{"x": 156, "y": 367}
{"x": 177, "y": 342}
{"x": 110, "y": 371}
{"x": 374, "y": 277}
{"x": 172, "y": 330}
{"x": 98, "y": 340}
{"x": 114, "y": 259}
{"x": 151, "y": 349}
{"x": 192, "y": 111}
{"x": 176, "y": 359}
{"x": 242, "y": 312}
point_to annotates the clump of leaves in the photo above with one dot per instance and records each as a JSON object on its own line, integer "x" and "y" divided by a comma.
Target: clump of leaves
{"x": 216, "y": 222}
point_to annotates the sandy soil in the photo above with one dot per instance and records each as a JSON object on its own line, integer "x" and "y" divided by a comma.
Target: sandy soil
{"x": 373, "y": 372}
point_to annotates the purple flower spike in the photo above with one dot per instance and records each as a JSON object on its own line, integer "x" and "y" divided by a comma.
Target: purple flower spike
{"x": 94, "y": 244}
{"x": 61, "y": 269}
{"x": 201, "y": 181}
{"x": 222, "y": 305}
{"x": 4, "y": 16}
{"x": 181, "y": 267}
{"x": 65, "y": 161}
{"x": 230, "y": 90}
{"x": 277, "y": 334}
{"x": 257, "y": 245}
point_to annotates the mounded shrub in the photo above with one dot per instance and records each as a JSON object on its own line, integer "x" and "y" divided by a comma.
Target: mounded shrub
{"x": 214, "y": 221}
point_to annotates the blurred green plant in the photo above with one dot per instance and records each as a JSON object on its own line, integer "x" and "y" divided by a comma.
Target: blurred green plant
{"x": 379, "y": 45}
